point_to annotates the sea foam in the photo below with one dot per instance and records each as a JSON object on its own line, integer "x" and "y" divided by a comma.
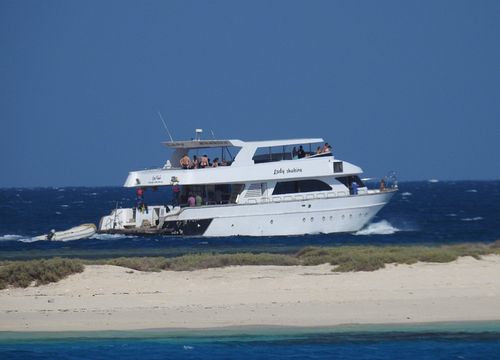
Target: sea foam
{"x": 476, "y": 218}
{"x": 379, "y": 228}
{"x": 111, "y": 236}
{"x": 10, "y": 237}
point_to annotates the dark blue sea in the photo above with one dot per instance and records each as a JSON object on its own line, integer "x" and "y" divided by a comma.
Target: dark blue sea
{"x": 420, "y": 213}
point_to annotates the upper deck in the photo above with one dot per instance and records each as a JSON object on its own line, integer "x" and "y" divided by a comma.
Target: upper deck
{"x": 246, "y": 166}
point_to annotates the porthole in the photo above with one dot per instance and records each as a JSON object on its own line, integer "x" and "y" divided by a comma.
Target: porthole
{"x": 303, "y": 219}
{"x": 323, "y": 218}
{"x": 331, "y": 218}
{"x": 312, "y": 219}
{"x": 271, "y": 222}
{"x": 350, "y": 216}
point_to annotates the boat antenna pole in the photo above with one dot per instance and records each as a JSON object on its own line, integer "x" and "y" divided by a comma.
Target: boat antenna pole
{"x": 213, "y": 135}
{"x": 166, "y": 127}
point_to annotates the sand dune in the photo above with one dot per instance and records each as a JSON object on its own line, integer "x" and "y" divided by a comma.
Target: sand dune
{"x": 115, "y": 298}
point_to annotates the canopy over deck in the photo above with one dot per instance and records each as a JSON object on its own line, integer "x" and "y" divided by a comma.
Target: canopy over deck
{"x": 204, "y": 144}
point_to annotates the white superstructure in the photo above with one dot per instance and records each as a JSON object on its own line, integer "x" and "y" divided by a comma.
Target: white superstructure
{"x": 265, "y": 189}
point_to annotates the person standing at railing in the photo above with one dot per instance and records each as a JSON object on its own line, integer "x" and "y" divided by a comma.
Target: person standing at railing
{"x": 204, "y": 161}
{"x": 185, "y": 162}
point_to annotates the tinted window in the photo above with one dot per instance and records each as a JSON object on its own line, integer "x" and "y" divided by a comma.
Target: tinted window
{"x": 347, "y": 180}
{"x": 292, "y": 187}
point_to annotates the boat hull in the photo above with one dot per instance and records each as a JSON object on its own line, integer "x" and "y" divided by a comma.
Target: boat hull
{"x": 274, "y": 218}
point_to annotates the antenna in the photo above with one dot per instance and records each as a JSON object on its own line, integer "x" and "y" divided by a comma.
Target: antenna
{"x": 165, "y": 125}
{"x": 213, "y": 135}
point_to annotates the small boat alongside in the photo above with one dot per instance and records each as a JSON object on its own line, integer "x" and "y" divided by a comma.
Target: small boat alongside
{"x": 75, "y": 233}
{"x": 252, "y": 188}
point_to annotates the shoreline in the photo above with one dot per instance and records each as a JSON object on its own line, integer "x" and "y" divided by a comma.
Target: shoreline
{"x": 112, "y": 298}
{"x": 256, "y": 331}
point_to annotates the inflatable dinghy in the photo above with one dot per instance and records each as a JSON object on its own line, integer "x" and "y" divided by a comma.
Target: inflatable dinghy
{"x": 75, "y": 233}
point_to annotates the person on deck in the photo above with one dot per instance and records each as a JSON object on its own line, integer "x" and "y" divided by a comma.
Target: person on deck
{"x": 301, "y": 153}
{"x": 216, "y": 162}
{"x": 354, "y": 188}
{"x": 195, "y": 162}
{"x": 191, "y": 200}
{"x": 204, "y": 161}
{"x": 198, "y": 200}
{"x": 185, "y": 162}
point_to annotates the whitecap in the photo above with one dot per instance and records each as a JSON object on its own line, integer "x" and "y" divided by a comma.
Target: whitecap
{"x": 477, "y": 218}
{"x": 451, "y": 215}
{"x": 111, "y": 236}
{"x": 380, "y": 228}
{"x": 471, "y": 191}
{"x": 406, "y": 194}
{"x": 64, "y": 206}
{"x": 433, "y": 180}
{"x": 10, "y": 237}
{"x": 58, "y": 213}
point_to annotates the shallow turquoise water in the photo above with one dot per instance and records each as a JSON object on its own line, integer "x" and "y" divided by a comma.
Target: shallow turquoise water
{"x": 436, "y": 341}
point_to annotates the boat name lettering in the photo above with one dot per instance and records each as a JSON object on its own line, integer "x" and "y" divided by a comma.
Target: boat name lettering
{"x": 155, "y": 179}
{"x": 287, "y": 171}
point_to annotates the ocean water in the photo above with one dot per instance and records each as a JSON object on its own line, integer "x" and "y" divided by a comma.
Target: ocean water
{"x": 420, "y": 213}
{"x": 481, "y": 341}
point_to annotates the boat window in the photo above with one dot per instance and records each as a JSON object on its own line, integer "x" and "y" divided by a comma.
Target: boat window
{"x": 288, "y": 152}
{"x": 272, "y": 153}
{"x": 256, "y": 190}
{"x": 211, "y": 194}
{"x": 347, "y": 180}
{"x": 300, "y": 186}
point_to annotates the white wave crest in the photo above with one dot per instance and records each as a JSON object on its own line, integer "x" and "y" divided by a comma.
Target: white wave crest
{"x": 471, "y": 191}
{"x": 380, "y": 228}
{"x": 111, "y": 236}
{"x": 10, "y": 237}
{"x": 406, "y": 194}
{"x": 477, "y": 218}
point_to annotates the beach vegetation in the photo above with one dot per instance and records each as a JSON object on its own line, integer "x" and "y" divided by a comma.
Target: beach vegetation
{"x": 37, "y": 272}
{"x": 342, "y": 259}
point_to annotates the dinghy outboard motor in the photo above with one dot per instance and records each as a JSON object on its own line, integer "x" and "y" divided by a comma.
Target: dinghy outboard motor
{"x": 51, "y": 234}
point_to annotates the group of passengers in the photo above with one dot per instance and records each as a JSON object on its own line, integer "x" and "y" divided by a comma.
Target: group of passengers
{"x": 194, "y": 200}
{"x": 299, "y": 154}
{"x": 201, "y": 163}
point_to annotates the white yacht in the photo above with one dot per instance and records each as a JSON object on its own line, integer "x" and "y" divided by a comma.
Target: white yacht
{"x": 260, "y": 188}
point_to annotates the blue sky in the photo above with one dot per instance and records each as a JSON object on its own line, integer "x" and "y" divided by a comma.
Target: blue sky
{"x": 410, "y": 86}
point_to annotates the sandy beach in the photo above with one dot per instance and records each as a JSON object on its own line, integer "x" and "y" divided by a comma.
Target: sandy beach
{"x": 116, "y": 298}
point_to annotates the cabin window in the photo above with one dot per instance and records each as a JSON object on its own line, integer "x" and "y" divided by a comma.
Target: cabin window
{"x": 347, "y": 180}
{"x": 256, "y": 190}
{"x": 338, "y": 167}
{"x": 272, "y": 153}
{"x": 300, "y": 186}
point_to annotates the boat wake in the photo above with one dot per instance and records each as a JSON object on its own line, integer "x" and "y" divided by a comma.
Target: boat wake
{"x": 379, "y": 228}
{"x": 111, "y": 236}
{"x": 10, "y": 237}
{"x": 28, "y": 239}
